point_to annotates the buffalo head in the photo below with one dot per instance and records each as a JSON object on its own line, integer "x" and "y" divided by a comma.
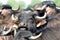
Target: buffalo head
{"x": 28, "y": 22}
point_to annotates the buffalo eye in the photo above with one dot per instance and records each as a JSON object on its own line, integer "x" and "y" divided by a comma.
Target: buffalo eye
{"x": 31, "y": 20}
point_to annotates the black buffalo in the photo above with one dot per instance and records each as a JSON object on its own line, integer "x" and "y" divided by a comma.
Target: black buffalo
{"x": 38, "y": 26}
{"x": 52, "y": 31}
{"x": 28, "y": 29}
{"x": 27, "y": 25}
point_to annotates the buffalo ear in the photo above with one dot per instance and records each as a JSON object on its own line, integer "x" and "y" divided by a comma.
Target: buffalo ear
{"x": 40, "y": 22}
{"x": 14, "y": 18}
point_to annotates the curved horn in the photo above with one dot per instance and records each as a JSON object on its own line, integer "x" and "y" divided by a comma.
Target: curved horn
{"x": 41, "y": 8}
{"x": 16, "y": 11}
{"x": 10, "y": 29}
{"x": 35, "y": 37}
{"x": 14, "y": 18}
{"x": 38, "y": 17}
{"x": 18, "y": 8}
{"x": 58, "y": 7}
{"x": 6, "y": 32}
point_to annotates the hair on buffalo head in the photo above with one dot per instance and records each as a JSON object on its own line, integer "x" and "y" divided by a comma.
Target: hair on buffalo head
{"x": 6, "y": 7}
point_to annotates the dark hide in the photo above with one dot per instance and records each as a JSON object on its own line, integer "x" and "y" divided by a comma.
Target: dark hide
{"x": 26, "y": 19}
{"x": 26, "y": 25}
{"x": 52, "y": 32}
{"x": 6, "y": 21}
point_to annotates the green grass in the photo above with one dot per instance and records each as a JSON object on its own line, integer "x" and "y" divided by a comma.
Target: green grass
{"x": 57, "y": 2}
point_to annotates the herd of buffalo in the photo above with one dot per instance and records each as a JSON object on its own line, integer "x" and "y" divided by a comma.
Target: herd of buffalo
{"x": 41, "y": 22}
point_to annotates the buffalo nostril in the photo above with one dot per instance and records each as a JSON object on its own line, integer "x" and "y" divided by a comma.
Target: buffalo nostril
{"x": 25, "y": 25}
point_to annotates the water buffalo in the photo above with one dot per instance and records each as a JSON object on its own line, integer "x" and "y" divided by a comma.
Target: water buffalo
{"x": 53, "y": 25}
{"x": 47, "y": 28}
{"x": 52, "y": 31}
{"x": 27, "y": 26}
{"x": 8, "y": 19}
